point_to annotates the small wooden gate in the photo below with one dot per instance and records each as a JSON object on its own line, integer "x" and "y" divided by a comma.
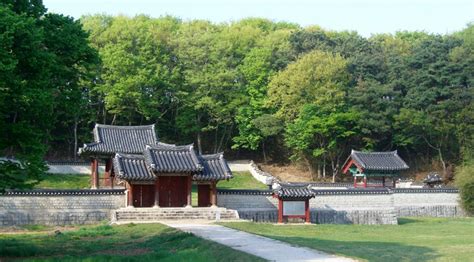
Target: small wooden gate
{"x": 143, "y": 195}
{"x": 204, "y": 195}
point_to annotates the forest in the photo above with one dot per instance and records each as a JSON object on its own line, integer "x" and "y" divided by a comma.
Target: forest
{"x": 273, "y": 91}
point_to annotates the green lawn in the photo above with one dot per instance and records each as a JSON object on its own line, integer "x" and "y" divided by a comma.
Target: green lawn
{"x": 415, "y": 239}
{"x": 64, "y": 181}
{"x": 144, "y": 242}
{"x": 241, "y": 180}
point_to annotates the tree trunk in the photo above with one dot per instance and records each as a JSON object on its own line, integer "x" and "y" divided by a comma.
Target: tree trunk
{"x": 199, "y": 142}
{"x": 310, "y": 167}
{"x": 334, "y": 170}
{"x": 113, "y": 119}
{"x": 263, "y": 151}
{"x": 324, "y": 167}
{"x": 319, "y": 171}
{"x": 441, "y": 159}
{"x": 75, "y": 139}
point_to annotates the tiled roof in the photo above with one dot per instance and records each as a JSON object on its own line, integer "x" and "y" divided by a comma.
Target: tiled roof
{"x": 109, "y": 140}
{"x": 379, "y": 161}
{"x": 167, "y": 158}
{"x": 294, "y": 192}
{"x": 132, "y": 168}
{"x": 215, "y": 168}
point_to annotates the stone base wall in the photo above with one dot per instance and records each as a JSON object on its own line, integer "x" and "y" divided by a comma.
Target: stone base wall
{"x": 57, "y": 210}
{"x": 348, "y": 208}
{"x": 238, "y": 202}
{"x": 427, "y": 205}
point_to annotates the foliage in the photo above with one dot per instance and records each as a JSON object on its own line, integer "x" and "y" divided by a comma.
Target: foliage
{"x": 414, "y": 239}
{"x": 245, "y": 86}
{"x": 465, "y": 183}
{"x": 17, "y": 175}
{"x": 44, "y": 60}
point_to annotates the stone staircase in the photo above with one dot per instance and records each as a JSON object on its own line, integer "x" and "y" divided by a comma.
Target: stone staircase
{"x": 183, "y": 213}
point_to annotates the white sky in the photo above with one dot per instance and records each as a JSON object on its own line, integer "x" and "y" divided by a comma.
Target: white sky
{"x": 364, "y": 16}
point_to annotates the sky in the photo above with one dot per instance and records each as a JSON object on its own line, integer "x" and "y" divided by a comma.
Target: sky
{"x": 364, "y": 16}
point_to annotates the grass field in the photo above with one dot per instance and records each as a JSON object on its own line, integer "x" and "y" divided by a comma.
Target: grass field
{"x": 241, "y": 180}
{"x": 420, "y": 239}
{"x": 144, "y": 242}
{"x": 64, "y": 181}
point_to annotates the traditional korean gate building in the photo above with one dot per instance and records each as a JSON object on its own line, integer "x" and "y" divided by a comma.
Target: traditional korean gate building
{"x": 366, "y": 165}
{"x": 158, "y": 174}
{"x": 109, "y": 140}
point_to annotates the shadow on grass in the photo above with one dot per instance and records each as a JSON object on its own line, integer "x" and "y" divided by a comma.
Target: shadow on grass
{"x": 404, "y": 221}
{"x": 371, "y": 251}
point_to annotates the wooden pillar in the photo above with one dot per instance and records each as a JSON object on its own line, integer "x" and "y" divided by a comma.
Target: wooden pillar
{"x": 306, "y": 211}
{"x": 365, "y": 181}
{"x": 157, "y": 192}
{"x": 130, "y": 195}
{"x": 383, "y": 181}
{"x": 213, "y": 194}
{"x": 394, "y": 182}
{"x": 355, "y": 181}
{"x": 280, "y": 210}
{"x": 189, "y": 202}
{"x": 94, "y": 173}
{"x": 108, "y": 173}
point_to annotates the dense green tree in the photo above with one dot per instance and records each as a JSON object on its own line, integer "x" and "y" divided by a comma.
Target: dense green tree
{"x": 43, "y": 59}
{"x": 310, "y": 96}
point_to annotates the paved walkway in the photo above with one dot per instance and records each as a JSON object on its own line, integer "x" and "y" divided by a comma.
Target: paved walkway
{"x": 263, "y": 247}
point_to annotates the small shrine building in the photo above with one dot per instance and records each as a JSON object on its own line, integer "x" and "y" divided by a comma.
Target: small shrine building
{"x": 293, "y": 202}
{"x": 364, "y": 165}
{"x": 155, "y": 174}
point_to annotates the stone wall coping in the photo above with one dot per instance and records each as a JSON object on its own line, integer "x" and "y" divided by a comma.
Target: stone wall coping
{"x": 245, "y": 192}
{"x": 63, "y": 192}
{"x": 350, "y": 191}
{"x": 353, "y": 191}
{"x": 425, "y": 190}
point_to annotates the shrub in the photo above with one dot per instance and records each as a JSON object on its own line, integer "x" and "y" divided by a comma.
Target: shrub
{"x": 465, "y": 183}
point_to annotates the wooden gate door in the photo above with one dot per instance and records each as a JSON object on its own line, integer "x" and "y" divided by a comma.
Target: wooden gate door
{"x": 173, "y": 191}
{"x": 204, "y": 193}
{"x": 143, "y": 195}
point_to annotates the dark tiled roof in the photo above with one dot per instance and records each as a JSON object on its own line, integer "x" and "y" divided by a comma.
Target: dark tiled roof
{"x": 167, "y": 158}
{"x": 294, "y": 192}
{"x": 132, "y": 168}
{"x": 215, "y": 168}
{"x": 109, "y": 140}
{"x": 379, "y": 161}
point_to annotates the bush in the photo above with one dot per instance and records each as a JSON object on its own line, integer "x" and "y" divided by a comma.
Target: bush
{"x": 465, "y": 183}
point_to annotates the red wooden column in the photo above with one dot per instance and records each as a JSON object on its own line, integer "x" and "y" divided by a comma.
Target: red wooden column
{"x": 355, "y": 182}
{"x": 365, "y": 182}
{"x": 157, "y": 192}
{"x": 130, "y": 195}
{"x": 108, "y": 173}
{"x": 383, "y": 181}
{"x": 189, "y": 202}
{"x": 213, "y": 194}
{"x": 94, "y": 173}
{"x": 394, "y": 182}
{"x": 280, "y": 211}
{"x": 306, "y": 211}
